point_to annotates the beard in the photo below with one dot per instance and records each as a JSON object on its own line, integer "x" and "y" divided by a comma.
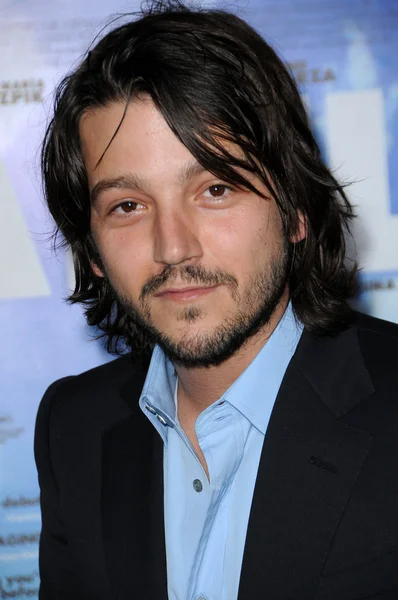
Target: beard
{"x": 253, "y": 310}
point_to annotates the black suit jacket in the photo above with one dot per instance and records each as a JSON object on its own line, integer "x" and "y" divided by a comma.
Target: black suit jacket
{"x": 324, "y": 517}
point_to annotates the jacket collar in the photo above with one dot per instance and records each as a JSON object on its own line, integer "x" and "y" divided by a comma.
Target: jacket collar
{"x": 335, "y": 369}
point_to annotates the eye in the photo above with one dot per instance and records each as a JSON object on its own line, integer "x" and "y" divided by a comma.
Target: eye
{"x": 218, "y": 190}
{"x": 128, "y": 206}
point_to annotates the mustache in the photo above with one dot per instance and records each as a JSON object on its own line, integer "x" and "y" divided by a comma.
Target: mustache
{"x": 188, "y": 274}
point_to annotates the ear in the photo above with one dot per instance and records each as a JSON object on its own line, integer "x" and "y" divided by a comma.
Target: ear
{"x": 96, "y": 270}
{"x": 301, "y": 230}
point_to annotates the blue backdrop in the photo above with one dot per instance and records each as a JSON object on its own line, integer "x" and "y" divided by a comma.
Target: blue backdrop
{"x": 344, "y": 55}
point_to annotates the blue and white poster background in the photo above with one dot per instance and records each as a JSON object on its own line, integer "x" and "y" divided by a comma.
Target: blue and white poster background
{"x": 345, "y": 57}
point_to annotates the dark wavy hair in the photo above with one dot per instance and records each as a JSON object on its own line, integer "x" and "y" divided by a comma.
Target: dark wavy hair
{"x": 213, "y": 78}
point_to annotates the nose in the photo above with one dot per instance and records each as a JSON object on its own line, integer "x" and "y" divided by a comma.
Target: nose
{"x": 176, "y": 239}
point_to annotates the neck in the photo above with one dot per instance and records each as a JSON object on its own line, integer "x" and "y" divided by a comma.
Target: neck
{"x": 198, "y": 387}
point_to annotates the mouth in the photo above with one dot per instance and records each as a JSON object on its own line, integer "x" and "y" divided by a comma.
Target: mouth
{"x": 185, "y": 294}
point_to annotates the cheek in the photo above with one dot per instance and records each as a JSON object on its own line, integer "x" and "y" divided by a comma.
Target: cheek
{"x": 269, "y": 239}
{"x": 246, "y": 240}
{"x": 125, "y": 259}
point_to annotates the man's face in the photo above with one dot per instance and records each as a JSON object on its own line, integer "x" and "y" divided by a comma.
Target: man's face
{"x": 199, "y": 263}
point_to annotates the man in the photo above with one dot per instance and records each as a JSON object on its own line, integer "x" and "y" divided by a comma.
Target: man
{"x": 245, "y": 446}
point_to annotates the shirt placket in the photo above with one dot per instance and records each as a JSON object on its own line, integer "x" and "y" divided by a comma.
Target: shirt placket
{"x": 221, "y": 435}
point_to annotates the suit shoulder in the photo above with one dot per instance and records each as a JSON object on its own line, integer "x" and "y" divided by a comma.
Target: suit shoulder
{"x": 92, "y": 394}
{"x": 381, "y": 335}
{"x": 372, "y": 328}
{"x": 111, "y": 373}
{"x": 378, "y": 340}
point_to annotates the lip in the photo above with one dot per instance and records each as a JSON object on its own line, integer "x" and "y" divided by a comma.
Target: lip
{"x": 185, "y": 294}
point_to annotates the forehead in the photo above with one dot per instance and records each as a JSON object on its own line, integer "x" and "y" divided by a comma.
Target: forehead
{"x": 136, "y": 130}
{"x": 121, "y": 139}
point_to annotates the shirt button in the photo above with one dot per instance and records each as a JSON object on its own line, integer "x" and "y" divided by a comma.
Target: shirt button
{"x": 200, "y": 598}
{"x": 161, "y": 419}
{"x": 198, "y": 487}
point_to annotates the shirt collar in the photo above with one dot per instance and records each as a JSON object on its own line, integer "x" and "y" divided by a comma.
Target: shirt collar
{"x": 253, "y": 393}
{"x": 157, "y": 396}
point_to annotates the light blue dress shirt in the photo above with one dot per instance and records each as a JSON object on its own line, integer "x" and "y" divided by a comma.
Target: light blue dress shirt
{"x": 206, "y": 520}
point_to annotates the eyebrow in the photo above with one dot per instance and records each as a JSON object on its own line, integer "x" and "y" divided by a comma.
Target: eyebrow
{"x": 132, "y": 181}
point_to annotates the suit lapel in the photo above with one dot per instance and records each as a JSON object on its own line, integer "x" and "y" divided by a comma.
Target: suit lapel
{"x": 309, "y": 465}
{"x": 132, "y": 502}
